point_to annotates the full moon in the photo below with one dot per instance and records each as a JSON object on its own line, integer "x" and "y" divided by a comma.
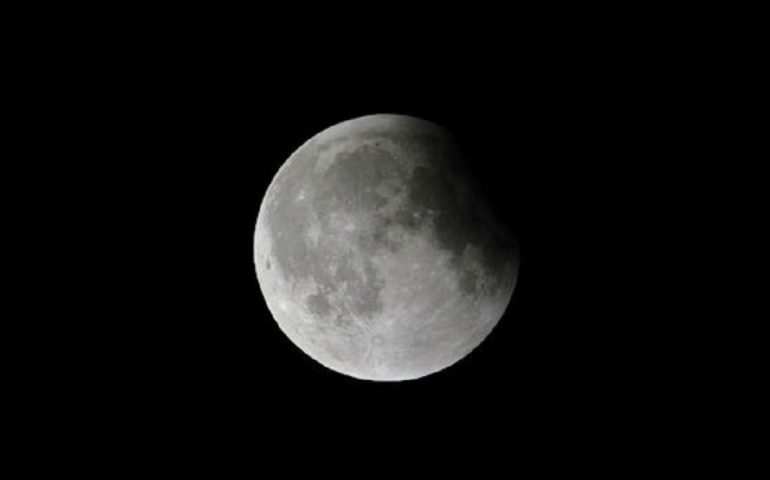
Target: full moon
{"x": 376, "y": 253}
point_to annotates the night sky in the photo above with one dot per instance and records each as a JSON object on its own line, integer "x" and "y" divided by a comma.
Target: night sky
{"x": 175, "y": 121}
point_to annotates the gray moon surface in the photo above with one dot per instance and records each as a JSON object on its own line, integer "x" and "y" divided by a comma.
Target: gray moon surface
{"x": 376, "y": 255}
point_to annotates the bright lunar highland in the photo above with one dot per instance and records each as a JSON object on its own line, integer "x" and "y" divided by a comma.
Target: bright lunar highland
{"x": 377, "y": 255}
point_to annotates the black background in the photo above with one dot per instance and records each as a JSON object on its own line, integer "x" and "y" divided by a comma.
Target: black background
{"x": 174, "y": 122}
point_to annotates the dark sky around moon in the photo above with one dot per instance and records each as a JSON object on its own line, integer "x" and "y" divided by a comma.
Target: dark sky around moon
{"x": 176, "y": 125}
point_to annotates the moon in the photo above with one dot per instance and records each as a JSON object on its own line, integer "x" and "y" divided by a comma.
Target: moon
{"x": 375, "y": 253}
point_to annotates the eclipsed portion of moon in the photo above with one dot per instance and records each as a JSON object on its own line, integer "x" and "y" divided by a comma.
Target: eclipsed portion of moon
{"x": 375, "y": 255}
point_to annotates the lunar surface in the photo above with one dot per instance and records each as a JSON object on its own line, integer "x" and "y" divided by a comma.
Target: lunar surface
{"x": 376, "y": 256}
